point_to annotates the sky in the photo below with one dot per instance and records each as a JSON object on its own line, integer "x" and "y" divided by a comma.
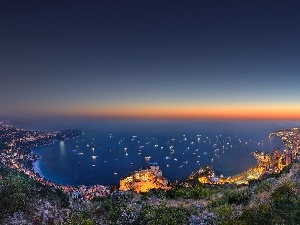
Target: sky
{"x": 202, "y": 59}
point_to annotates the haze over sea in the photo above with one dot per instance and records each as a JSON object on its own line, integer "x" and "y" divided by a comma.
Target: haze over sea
{"x": 110, "y": 149}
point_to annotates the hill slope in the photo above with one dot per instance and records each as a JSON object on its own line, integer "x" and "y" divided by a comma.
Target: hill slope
{"x": 274, "y": 200}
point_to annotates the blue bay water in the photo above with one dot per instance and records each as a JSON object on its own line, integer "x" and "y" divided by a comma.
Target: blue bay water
{"x": 179, "y": 147}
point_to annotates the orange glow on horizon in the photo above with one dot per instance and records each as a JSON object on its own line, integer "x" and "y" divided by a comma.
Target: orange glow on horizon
{"x": 232, "y": 112}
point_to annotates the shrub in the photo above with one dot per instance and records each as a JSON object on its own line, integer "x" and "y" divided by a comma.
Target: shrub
{"x": 161, "y": 214}
{"x": 263, "y": 186}
{"x": 18, "y": 192}
{"x": 231, "y": 197}
{"x": 225, "y": 211}
{"x": 15, "y": 195}
{"x": 259, "y": 215}
{"x": 197, "y": 192}
{"x": 82, "y": 218}
{"x": 286, "y": 203}
{"x": 159, "y": 193}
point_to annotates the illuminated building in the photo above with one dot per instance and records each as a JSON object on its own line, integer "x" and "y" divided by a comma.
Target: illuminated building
{"x": 144, "y": 179}
{"x": 288, "y": 157}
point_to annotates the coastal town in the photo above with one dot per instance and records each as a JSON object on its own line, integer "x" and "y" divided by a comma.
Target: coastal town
{"x": 16, "y": 153}
{"x": 267, "y": 163}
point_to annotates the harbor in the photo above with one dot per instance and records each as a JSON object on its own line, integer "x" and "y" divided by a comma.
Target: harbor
{"x": 18, "y": 155}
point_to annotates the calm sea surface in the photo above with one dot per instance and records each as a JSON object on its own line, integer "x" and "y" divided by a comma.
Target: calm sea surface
{"x": 111, "y": 149}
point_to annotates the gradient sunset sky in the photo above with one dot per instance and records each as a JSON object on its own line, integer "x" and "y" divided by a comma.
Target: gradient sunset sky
{"x": 201, "y": 59}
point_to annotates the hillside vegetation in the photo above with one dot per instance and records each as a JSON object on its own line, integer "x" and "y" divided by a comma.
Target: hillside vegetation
{"x": 274, "y": 200}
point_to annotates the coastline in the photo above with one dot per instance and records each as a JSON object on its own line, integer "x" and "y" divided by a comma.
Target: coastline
{"x": 115, "y": 177}
{"x": 36, "y": 168}
{"x": 34, "y": 139}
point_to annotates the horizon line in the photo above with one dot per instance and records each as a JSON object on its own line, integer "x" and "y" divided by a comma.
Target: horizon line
{"x": 155, "y": 118}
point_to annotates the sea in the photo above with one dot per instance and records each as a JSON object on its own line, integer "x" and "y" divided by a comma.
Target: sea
{"x": 110, "y": 149}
